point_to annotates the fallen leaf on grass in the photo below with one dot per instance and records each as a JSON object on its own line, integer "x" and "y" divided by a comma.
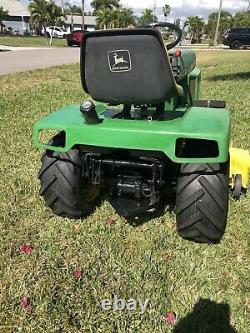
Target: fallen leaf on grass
{"x": 170, "y": 318}
{"x": 111, "y": 221}
{"x": 76, "y": 228}
{"x": 26, "y": 248}
{"x": 25, "y": 303}
{"x": 77, "y": 274}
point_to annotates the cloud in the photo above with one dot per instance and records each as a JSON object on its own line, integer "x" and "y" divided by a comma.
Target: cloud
{"x": 182, "y": 7}
{"x": 179, "y": 8}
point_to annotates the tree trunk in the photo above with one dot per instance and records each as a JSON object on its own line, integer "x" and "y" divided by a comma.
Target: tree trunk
{"x": 51, "y": 37}
{"x": 72, "y": 22}
{"x": 83, "y": 23}
{"x": 46, "y": 34}
{"x": 63, "y": 7}
{"x": 217, "y": 25}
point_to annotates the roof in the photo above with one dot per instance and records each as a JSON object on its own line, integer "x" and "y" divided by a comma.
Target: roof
{"x": 88, "y": 20}
{"x": 15, "y": 8}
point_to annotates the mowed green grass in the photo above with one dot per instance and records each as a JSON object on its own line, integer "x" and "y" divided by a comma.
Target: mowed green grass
{"x": 30, "y": 41}
{"x": 205, "y": 286}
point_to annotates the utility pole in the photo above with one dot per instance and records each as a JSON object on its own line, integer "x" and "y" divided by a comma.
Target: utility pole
{"x": 218, "y": 25}
{"x": 83, "y": 23}
{"x": 62, "y": 7}
{"x": 155, "y": 4}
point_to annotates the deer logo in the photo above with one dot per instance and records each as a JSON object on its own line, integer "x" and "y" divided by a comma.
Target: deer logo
{"x": 119, "y": 61}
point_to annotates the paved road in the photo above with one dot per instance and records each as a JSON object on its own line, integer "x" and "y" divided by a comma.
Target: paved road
{"x": 26, "y": 59}
{"x": 13, "y": 59}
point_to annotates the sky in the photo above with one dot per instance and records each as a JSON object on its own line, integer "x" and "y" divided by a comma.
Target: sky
{"x": 180, "y": 8}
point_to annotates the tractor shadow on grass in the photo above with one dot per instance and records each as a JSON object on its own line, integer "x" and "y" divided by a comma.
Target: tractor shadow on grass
{"x": 146, "y": 218}
{"x": 167, "y": 205}
{"x": 207, "y": 317}
{"x": 230, "y": 76}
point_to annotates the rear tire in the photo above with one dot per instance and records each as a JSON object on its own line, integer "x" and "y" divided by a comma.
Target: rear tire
{"x": 64, "y": 190}
{"x": 70, "y": 43}
{"x": 236, "y": 45}
{"x": 202, "y": 202}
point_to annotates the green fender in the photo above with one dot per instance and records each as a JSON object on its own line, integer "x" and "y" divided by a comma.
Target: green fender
{"x": 193, "y": 122}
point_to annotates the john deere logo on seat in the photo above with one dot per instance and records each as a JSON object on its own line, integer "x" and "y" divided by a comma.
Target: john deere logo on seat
{"x": 119, "y": 61}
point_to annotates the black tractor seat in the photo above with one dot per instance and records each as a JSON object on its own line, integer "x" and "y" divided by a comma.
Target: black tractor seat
{"x": 127, "y": 66}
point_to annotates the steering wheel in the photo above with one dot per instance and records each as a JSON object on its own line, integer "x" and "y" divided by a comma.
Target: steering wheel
{"x": 173, "y": 27}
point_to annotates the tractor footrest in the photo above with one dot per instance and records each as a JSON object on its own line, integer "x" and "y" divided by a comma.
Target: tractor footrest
{"x": 113, "y": 113}
{"x": 210, "y": 104}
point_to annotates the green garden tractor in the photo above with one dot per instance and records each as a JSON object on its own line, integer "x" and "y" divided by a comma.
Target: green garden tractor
{"x": 142, "y": 139}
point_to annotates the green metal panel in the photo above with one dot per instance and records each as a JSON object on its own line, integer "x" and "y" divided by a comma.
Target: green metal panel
{"x": 195, "y": 75}
{"x": 187, "y": 61}
{"x": 196, "y": 123}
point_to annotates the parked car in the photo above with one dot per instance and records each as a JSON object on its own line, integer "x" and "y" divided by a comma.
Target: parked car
{"x": 57, "y": 32}
{"x": 75, "y": 37}
{"x": 27, "y": 33}
{"x": 236, "y": 38}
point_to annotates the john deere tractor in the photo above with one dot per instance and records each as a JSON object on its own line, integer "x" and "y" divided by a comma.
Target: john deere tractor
{"x": 144, "y": 136}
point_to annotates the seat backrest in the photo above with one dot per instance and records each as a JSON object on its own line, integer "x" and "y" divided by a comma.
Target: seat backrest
{"x": 129, "y": 66}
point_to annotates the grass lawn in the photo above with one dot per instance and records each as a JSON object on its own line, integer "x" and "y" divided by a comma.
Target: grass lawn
{"x": 30, "y": 41}
{"x": 205, "y": 286}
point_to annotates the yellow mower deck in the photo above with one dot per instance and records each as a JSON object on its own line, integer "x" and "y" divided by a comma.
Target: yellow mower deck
{"x": 239, "y": 169}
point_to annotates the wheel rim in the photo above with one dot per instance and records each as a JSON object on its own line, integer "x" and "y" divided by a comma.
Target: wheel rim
{"x": 237, "y": 45}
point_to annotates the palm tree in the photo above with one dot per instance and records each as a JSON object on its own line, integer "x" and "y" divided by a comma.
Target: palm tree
{"x": 177, "y": 22}
{"x": 106, "y": 4}
{"x": 125, "y": 18}
{"x": 39, "y": 14}
{"x": 166, "y": 11}
{"x": 55, "y": 16}
{"x": 71, "y": 11}
{"x": 107, "y": 18}
{"x": 3, "y": 13}
{"x": 44, "y": 13}
{"x": 226, "y": 21}
{"x": 147, "y": 17}
{"x": 103, "y": 15}
{"x": 76, "y": 10}
{"x": 114, "y": 18}
{"x": 196, "y": 25}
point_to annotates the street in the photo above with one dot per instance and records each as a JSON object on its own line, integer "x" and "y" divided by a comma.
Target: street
{"x": 26, "y": 59}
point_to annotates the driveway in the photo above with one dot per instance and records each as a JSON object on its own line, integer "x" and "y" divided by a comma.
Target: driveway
{"x": 13, "y": 60}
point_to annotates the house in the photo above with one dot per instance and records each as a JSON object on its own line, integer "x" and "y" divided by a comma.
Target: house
{"x": 18, "y": 16}
{"x": 75, "y": 22}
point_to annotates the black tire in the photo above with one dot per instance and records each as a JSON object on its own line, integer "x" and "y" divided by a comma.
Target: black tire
{"x": 236, "y": 45}
{"x": 202, "y": 202}
{"x": 70, "y": 43}
{"x": 64, "y": 190}
{"x": 238, "y": 187}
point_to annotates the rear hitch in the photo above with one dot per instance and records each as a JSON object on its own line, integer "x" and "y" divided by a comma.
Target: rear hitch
{"x": 133, "y": 185}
